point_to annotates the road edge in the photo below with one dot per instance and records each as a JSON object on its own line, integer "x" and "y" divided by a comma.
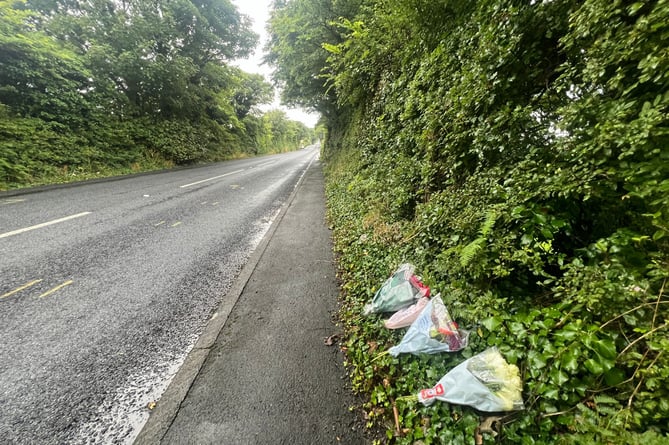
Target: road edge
{"x": 10, "y": 193}
{"x": 168, "y": 405}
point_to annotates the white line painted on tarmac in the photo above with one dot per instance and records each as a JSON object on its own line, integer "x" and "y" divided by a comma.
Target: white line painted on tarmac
{"x": 210, "y": 179}
{"x": 48, "y": 223}
{"x": 11, "y": 201}
{"x": 313, "y": 158}
{"x": 264, "y": 164}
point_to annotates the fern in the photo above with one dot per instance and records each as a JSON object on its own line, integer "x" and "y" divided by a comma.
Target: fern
{"x": 471, "y": 250}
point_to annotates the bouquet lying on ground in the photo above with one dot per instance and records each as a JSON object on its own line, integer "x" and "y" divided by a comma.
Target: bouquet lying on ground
{"x": 486, "y": 382}
{"x": 405, "y": 317}
{"x": 399, "y": 291}
{"x": 433, "y": 331}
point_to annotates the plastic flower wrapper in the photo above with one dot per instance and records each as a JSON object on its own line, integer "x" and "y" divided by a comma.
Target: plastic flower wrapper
{"x": 405, "y": 317}
{"x": 401, "y": 290}
{"x": 485, "y": 382}
{"x": 433, "y": 331}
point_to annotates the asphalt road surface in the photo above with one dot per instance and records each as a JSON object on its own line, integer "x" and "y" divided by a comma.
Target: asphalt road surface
{"x": 105, "y": 287}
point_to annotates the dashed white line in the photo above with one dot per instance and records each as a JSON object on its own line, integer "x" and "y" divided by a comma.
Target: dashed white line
{"x": 210, "y": 179}
{"x": 264, "y": 164}
{"x": 11, "y": 201}
{"x": 48, "y": 223}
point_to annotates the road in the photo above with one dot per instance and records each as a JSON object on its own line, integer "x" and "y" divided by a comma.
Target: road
{"x": 105, "y": 287}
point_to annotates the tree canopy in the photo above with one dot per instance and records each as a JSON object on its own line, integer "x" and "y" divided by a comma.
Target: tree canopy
{"x": 295, "y": 49}
{"x": 99, "y": 84}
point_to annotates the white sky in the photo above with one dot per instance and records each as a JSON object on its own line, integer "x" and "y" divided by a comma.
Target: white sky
{"x": 258, "y": 10}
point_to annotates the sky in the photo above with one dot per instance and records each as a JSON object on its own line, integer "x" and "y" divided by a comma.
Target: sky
{"x": 258, "y": 10}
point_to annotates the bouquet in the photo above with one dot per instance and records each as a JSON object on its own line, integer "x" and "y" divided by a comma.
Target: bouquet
{"x": 401, "y": 290}
{"x": 433, "y": 331}
{"x": 405, "y": 317}
{"x": 485, "y": 382}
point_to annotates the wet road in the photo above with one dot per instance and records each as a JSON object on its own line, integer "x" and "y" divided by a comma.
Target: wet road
{"x": 104, "y": 288}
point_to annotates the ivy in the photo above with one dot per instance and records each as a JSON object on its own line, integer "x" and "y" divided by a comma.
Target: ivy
{"x": 516, "y": 152}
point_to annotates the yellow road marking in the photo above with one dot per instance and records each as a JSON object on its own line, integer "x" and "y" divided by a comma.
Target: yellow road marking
{"x": 159, "y": 224}
{"x": 19, "y": 289}
{"x": 215, "y": 203}
{"x": 176, "y": 224}
{"x": 57, "y": 288}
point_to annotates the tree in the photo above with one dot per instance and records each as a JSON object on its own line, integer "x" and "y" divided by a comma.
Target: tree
{"x": 98, "y": 84}
{"x": 250, "y": 90}
{"x": 298, "y": 30}
{"x": 39, "y": 77}
{"x": 156, "y": 54}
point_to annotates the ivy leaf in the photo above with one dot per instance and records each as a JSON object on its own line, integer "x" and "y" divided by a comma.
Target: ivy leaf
{"x": 567, "y": 334}
{"x": 552, "y": 393}
{"x": 594, "y": 366}
{"x": 569, "y": 360}
{"x": 605, "y": 348}
{"x": 536, "y": 359}
{"x": 517, "y": 329}
{"x": 492, "y": 323}
{"x": 558, "y": 376}
{"x": 614, "y": 376}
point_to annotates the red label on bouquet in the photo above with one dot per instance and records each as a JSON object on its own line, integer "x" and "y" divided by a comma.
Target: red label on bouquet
{"x": 431, "y": 393}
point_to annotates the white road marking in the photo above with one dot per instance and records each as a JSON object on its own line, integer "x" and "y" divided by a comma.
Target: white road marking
{"x": 11, "y": 201}
{"x": 210, "y": 179}
{"x": 313, "y": 158}
{"x": 264, "y": 164}
{"x": 48, "y": 223}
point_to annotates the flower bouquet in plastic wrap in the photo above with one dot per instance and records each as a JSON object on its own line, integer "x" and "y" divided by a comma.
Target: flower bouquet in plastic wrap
{"x": 433, "y": 331}
{"x": 399, "y": 291}
{"x": 485, "y": 382}
{"x": 405, "y": 317}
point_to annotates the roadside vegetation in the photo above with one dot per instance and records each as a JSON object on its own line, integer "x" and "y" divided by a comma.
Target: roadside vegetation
{"x": 518, "y": 154}
{"x": 104, "y": 87}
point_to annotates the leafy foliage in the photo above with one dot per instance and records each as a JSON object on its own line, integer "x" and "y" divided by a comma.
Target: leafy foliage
{"x": 298, "y": 30}
{"x": 516, "y": 152}
{"x": 100, "y": 87}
